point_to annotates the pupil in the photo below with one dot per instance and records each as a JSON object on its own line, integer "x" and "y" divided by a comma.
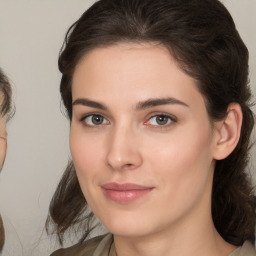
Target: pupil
{"x": 162, "y": 120}
{"x": 97, "y": 119}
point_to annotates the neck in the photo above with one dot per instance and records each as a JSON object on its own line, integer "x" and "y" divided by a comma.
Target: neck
{"x": 180, "y": 242}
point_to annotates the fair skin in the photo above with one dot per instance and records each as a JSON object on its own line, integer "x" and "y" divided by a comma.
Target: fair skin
{"x": 3, "y": 138}
{"x": 3, "y": 143}
{"x": 3, "y": 148}
{"x": 144, "y": 150}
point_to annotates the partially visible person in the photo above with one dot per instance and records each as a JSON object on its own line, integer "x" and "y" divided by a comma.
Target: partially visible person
{"x": 5, "y": 109}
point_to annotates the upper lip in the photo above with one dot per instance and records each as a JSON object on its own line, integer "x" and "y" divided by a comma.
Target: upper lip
{"x": 124, "y": 186}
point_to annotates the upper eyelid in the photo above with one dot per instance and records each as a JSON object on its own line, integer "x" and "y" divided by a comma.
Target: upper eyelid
{"x": 173, "y": 120}
{"x": 83, "y": 116}
{"x": 173, "y": 117}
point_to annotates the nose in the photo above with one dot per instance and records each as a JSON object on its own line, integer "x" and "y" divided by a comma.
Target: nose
{"x": 123, "y": 150}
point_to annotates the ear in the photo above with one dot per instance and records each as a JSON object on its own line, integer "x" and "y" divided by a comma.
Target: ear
{"x": 228, "y": 132}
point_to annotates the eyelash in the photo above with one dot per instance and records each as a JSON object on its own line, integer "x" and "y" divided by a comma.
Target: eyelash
{"x": 83, "y": 119}
{"x": 170, "y": 121}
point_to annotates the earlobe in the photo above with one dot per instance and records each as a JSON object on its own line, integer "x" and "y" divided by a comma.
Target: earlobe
{"x": 228, "y": 132}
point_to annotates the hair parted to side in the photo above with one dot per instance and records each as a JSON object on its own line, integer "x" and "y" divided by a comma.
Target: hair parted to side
{"x": 202, "y": 37}
{"x": 5, "y": 109}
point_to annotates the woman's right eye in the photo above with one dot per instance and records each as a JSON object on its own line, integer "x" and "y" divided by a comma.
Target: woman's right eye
{"x": 95, "y": 120}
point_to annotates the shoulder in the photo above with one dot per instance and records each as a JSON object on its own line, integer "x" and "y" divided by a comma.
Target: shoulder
{"x": 97, "y": 244}
{"x": 247, "y": 249}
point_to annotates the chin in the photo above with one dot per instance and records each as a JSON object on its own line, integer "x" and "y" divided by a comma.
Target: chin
{"x": 128, "y": 226}
{"x": 128, "y": 231}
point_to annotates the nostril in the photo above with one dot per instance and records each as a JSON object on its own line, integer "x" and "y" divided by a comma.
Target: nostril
{"x": 129, "y": 166}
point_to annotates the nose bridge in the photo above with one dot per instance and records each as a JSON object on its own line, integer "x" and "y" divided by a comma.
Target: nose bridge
{"x": 123, "y": 150}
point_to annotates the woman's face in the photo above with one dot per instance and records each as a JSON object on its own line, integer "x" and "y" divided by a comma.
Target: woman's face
{"x": 3, "y": 140}
{"x": 141, "y": 140}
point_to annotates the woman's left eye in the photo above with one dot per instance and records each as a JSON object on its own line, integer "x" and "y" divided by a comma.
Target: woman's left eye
{"x": 95, "y": 119}
{"x": 160, "y": 120}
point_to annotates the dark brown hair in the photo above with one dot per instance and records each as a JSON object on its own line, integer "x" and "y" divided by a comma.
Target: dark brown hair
{"x": 6, "y": 94}
{"x": 5, "y": 108}
{"x": 202, "y": 37}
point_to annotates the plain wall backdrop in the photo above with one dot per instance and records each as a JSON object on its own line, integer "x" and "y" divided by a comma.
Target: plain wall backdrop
{"x": 31, "y": 34}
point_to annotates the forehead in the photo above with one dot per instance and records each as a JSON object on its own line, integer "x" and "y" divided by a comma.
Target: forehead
{"x": 131, "y": 70}
{"x": 125, "y": 54}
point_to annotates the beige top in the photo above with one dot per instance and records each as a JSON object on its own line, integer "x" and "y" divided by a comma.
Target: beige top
{"x": 102, "y": 246}
{"x": 246, "y": 250}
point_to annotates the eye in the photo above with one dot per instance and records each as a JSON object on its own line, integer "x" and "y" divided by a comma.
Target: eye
{"x": 94, "y": 120}
{"x": 160, "y": 120}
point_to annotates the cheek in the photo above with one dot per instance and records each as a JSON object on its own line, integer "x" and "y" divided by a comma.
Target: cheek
{"x": 184, "y": 159}
{"x": 83, "y": 150}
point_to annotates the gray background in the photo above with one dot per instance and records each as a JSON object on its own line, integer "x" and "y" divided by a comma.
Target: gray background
{"x": 31, "y": 34}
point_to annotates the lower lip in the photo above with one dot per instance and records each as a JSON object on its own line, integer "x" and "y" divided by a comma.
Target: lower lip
{"x": 125, "y": 196}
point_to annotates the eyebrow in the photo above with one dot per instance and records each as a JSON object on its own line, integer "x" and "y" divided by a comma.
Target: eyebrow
{"x": 140, "y": 106}
{"x": 89, "y": 103}
{"x": 158, "y": 102}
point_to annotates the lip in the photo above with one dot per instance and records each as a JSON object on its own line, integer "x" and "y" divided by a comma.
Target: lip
{"x": 125, "y": 193}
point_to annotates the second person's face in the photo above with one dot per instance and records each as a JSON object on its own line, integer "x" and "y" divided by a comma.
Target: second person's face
{"x": 141, "y": 140}
{"x": 3, "y": 140}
